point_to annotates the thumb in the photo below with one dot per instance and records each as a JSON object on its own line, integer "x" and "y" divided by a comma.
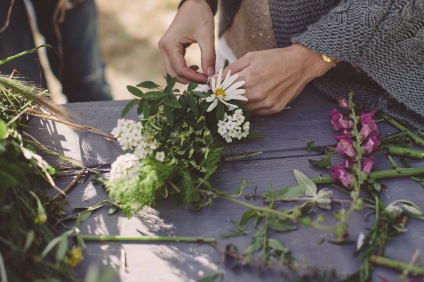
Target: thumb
{"x": 208, "y": 56}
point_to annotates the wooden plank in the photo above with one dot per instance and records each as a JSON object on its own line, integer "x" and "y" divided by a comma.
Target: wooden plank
{"x": 182, "y": 262}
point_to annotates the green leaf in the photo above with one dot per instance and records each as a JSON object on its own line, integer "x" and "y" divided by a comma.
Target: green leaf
{"x": 3, "y": 130}
{"x": 146, "y": 110}
{"x": 148, "y": 85}
{"x": 277, "y": 245}
{"x": 170, "y": 81}
{"x": 324, "y": 162}
{"x": 135, "y": 91}
{"x": 210, "y": 278}
{"x": 128, "y": 107}
{"x": 201, "y": 94}
{"x": 193, "y": 104}
{"x": 279, "y": 226}
{"x": 8, "y": 180}
{"x": 140, "y": 107}
{"x": 220, "y": 110}
{"x": 340, "y": 231}
{"x": 154, "y": 109}
{"x": 253, "y": 247}
{"x": 241, "y": 189}
{"x": 62, "y": 248}
{"x": 169, "y": 115}
{"x": 172, "y": 103}
{"x": 303, "y": 180}
{"x": 112, "y": 210}
{"x": 412, "y": 209}
{"x": 291, "y": 192}
{"x": 191, "y": 86}
{"x": 408, "y": 206}
{"x": 249, "y": 214}
{"x": 81, "y": 217}
{"x": 50, "y": 246}
{"x": 153, "y": 95}
{"x": 29, "y": 239}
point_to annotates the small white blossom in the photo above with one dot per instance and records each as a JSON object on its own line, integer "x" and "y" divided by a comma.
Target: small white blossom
{"x": 160, "y": 156}
{"x": 131, "y": 136}
{"x": 125, "y": 166}
{"x": 232, "y": 126}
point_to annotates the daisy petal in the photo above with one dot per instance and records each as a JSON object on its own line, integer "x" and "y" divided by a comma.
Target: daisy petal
{"x": 230, "y": 106}
{"x": 234, "y": 86}
{"x": 237, "y": 92}
{"x": 210, "y": 98}
{"x": 213, "y": 84}
{"x": 229, "y": 79}
{"x": 218, "y": 81}
{"x": 236, "y": 97}
{"x": 213, "y": 105}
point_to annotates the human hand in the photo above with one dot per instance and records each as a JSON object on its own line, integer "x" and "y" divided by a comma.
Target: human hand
{"x": 275, "y": 77}
{"x": 194, "y": 23}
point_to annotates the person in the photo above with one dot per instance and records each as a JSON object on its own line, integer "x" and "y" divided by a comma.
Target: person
{"x": 373, "y": 48}
{"x": 76, "y": 61}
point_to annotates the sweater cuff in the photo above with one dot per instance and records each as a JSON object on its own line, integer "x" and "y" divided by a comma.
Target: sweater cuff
{"x": 212, "y": 3}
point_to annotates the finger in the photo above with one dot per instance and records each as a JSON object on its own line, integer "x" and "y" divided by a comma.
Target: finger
{"x": 184, "y": 74}
{"x": 208, "y": 55}
{"x": 238, "y": 65}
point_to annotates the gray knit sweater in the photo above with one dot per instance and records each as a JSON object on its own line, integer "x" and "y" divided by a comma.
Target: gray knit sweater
{"x": 381, "y": 44}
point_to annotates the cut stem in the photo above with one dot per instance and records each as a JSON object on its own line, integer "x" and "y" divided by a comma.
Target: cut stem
{"x": 405, "y": 152}
{"x": 119, "y": 238}
{"x": 398, "y": 265}
{"x": 378, "y": 174}
{"x": 401, "y": 127}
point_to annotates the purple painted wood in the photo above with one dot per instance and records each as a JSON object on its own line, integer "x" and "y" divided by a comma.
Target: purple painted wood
{"x": 284, "y": 149}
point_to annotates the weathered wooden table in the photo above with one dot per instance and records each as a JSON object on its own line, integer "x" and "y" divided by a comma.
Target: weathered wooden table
{"x": 284, "y": 149}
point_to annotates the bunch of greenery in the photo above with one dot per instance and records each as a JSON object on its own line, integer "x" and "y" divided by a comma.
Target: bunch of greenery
{"x": 30, "y": 248}
{"x": 177, "y": 144}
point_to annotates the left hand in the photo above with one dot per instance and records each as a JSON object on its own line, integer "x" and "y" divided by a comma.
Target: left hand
{"x": 275, "y": 77}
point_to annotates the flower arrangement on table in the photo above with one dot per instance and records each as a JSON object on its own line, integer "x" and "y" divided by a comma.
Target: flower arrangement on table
{"x": 176, "y": 145}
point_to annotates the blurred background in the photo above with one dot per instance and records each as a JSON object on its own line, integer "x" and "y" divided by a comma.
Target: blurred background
{"x": 129, "y": 31}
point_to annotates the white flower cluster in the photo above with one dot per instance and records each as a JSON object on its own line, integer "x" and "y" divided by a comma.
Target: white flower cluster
{"x": 130, "y": 137}
{"x": 233, "y": 126}
{"x": 125, "y": 166}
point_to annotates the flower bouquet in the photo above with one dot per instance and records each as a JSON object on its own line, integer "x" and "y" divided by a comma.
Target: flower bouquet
{"x": 177, "y": 143}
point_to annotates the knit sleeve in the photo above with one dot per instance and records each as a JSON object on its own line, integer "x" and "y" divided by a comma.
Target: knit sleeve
{"x": 383, "y": 38}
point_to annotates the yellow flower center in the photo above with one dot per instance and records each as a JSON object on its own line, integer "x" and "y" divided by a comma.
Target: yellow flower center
{"x": 220, "y": 92}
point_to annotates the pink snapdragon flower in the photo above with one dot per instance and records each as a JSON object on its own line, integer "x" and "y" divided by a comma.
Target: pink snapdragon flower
{"x": 343, "y": 103}
{"x": 348, "y": 163}
{"x": 368, "y": 124}
{"x": 345, "y": 146}
{"x": 338, "y": 121}
{"x": 339, "y": 173}
{"x": 367, "y": 164}
{"x": 372, "y": 143}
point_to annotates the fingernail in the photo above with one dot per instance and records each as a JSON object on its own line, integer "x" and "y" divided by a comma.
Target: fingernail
{"x": 210, "y": 71}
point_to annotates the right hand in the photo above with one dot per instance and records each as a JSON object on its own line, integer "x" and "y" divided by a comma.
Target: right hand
{"x": 194, "y": 23}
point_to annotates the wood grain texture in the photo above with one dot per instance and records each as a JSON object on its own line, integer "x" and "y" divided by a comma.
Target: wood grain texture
{"x": 284, "y": 149}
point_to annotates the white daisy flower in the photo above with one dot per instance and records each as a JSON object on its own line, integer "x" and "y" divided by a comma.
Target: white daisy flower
{"x": 225, "y": 90}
